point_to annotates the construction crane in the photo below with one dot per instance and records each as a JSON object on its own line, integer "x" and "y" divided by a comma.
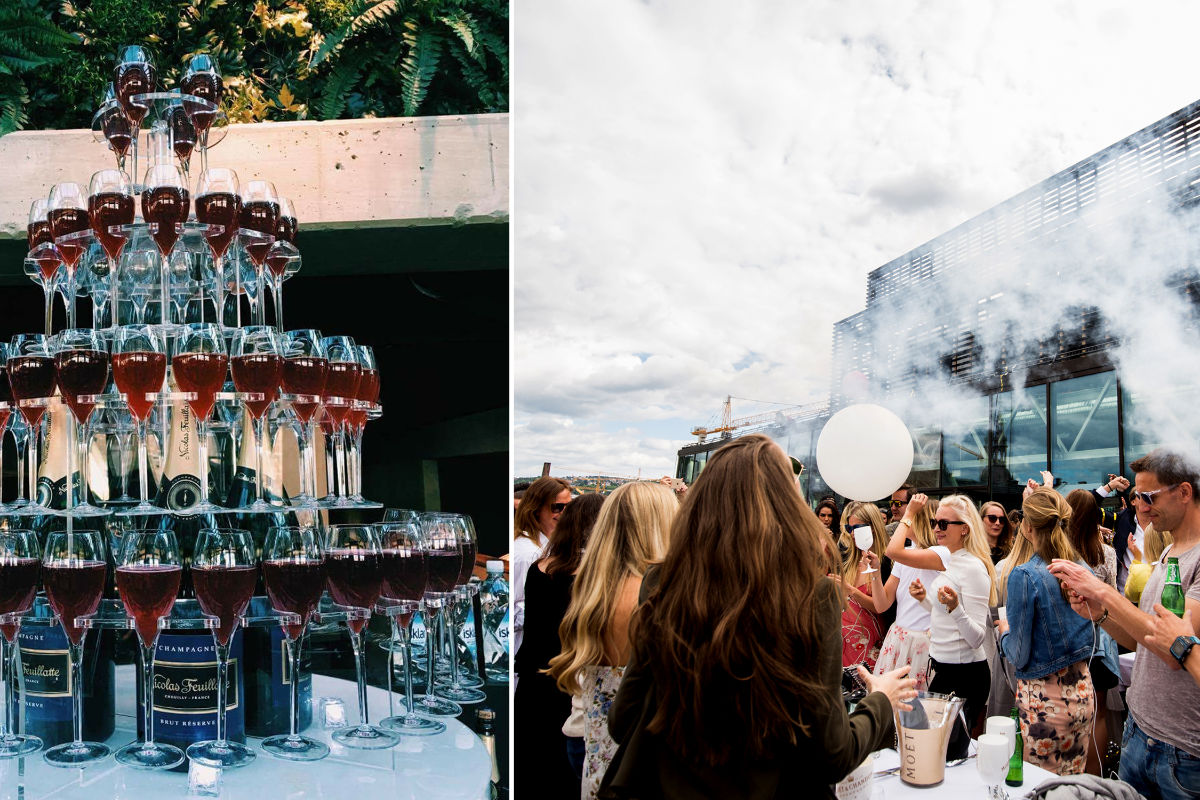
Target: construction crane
{"x": 729, "y": 424}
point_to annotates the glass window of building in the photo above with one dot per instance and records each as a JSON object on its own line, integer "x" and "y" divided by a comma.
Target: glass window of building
{"x": 1083, "y": 431}
{"x": 965, "y": 445}
{"x": 1019, "y": 431}
{"x": 1158, "y": 419}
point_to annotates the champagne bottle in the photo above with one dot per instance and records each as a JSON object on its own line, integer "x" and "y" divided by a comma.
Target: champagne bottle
{"x": 185, "y": 666}
{"x": 487, "y": 734}
{"x": 1172, "y": 593}
{"x": 1016, "y": 762}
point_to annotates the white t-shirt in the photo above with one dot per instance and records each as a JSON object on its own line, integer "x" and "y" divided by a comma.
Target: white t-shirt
{"x": 523, "y": 555}
{"x": 957, "y": 637}
{"x": 911, "y": 615}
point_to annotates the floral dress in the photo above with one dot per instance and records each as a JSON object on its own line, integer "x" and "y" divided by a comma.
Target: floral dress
{"x": 599, "y": 688}
{"x": 1057, "y": 712}
{"x": 862, "y": 633}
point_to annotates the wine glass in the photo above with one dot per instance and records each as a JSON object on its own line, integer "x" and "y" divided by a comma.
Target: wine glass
{"x": 31, "y": 377}
{"x": 139, "y": 365}
{"x": 218, "y": 205}
{"x": 68, "y": 215}
{"x": 282, "y": 254}
{"x": 256, "y": 361}
{"x": 341, "y": 388}
{"x": 444, "y": 557}
{"x": 20, "y": 560}
{"x": 224, "y": 572}
{"x": 366, "y": 397}
{"x": 111, "y": 208}
{"x": 183, "y": 135}
{"x": 135, "y": 75}
{"x": 117, "y": 129}
{"x": 43, "y": 260}
{"x": 37, "y": 231}
{"x": 201, "y": 79}
{"x": 405, "y": 578}
{"x": 454, "y": 611}
{"x": 991, "y": 758}
{"x": 305, "y": 369}
{"x": 165, "y": 205}
{"x": 352, "y": 564}
{"x": 294, "y": 573}
{"x": 6, "y": 409}
{"x": 81, "y": 366}
{"x": 148, "y": 576}
{"x": 864, "y": 537}
{"x": 200, "y": 364}
{"x": 74, "y": 564}
{"x": 260, "y": 213}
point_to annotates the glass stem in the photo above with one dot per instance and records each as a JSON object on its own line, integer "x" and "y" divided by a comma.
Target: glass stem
{"x": 202, "y": 432}
{"x": 222, "y": 677}
{"x": 143, "y": 460}
{"x": 293, "y": 647}
{"x": 259, "y": 430}
{"x": 219, "y": 288}
{"x": 237, "y": 289}
{"x": 452, "y": 639}
{"x": 76, "y": 652}
{"x": 123, "y": 461}
{"x": 33, "y": 457}
{"x": 358, "y": 439}
{"x": 112, "y": 290}
{"x": 260, "y": 310}
{"x": 277, "y": 280}
{"x": 72, "y": 453}
{"x": 432, "y": 645}
{"x": 343, "y": 487}
{"x": 360, "y": 669}
{"x": 165, "y": 314}
{"x": 330, "y": 471}
{"x": 81, "y": 429}
{"x": 71, "y": 300}
{"x": 406, "y": 638}
{"x": 48, "y": 289}
{"x": 6, "y": 672}
{"x": 22, "y": 449}
{"x": 308, "y": 474}
{"x": 148, "y": 694}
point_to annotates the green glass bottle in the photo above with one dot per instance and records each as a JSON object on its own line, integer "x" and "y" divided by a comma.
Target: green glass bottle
{"x": 1172, "y": 593}
{"x": 1016, "y": 764}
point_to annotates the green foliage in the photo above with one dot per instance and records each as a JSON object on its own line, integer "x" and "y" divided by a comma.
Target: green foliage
{"x": 281, "y": 59}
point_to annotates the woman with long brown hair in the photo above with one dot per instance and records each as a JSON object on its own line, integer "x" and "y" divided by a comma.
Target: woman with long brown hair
{"x": 862, "y": 629}
{"x": 533, "y": 524}
{"x": 734, "y": 686}
{"x": 998, "y": 528}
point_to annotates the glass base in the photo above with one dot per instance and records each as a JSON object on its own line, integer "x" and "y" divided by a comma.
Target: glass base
{"x": 460, "y": 694}
{"x": 76, "y": 754}
{"x": 210, "y": 508}
{"x": 141, "y": 510}
{"x": 84, "y": 510}
{"x": 259, "y": 507}
{"x": 33, "y": 510}
{"x": 225, "y": 756}
{"x": 16, "y": 745}
{"x": 413, "y": 725}
{"x": 435, "y": 706}
{"x": 300, "y": 748}
{"x": 303, "y": 502}
{"x": 366, "y": 737}
{"x": 156, "y": 756}
{"x": 467, "y": 680}
{"x": 497, "y": 675}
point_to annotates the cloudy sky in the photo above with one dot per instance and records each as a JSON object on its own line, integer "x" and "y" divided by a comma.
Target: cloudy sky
{"x": 701, "y": 188}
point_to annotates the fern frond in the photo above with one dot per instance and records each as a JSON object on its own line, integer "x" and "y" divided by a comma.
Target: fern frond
{"x": 466, "y": 29}
{"x": 365, "y": 13}
{"x": 419, "y": 65}
{"x": 13, "y": 101}
{"x": 497, "y": 45}
{"x": 336, "y": 90}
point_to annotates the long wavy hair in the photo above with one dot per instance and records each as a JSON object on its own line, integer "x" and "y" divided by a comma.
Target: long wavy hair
{"x": 1084, "y": 527}
{"x": 540, "y": 494}
{"x": 1021, "y": 551}
{"x": 976, "y": 540}
{"x": 1049, "y": 517}
{"x": 630, "y": 534}
{"x": 921, "y": 530}
{"x": 730, "y": 634}
{"x": 870, "y": 514}
{"x": 1156, "y": 542}
{"x": 565, "y": 550}
{"x": 1005, "y": 540}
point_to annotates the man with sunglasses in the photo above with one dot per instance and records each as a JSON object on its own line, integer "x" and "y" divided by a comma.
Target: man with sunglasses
{"x": 1160, "y": 753}
{"x": 897, "y": 505}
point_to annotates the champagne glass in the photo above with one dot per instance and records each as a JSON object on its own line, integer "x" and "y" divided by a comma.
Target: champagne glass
{"x": 68, "y": 215}
{"x": 992, "y": 760}
{"x": 218, "y": 205}
{"x": 294, "y": 574}
{"x": 31, "y": 377}
{"x": 224, "y": 572}
{"x": 352, "y": 564}
{"x": 405, "y": 578}
{"x": 135, "y": 75}
{"x": 863, "y": 539}
{"x": 183, "y": 135}
{"x": 111, "y": 209}
{"x": 454, "y": 611}
{"x": 200, "y": 365}
{"x": 256, "y": 362}
{"x": 6, "y": 409}
{"x": 148, "y": 576}
{"x": 305, "y": 369}
{"x": 341, "y": 388}
{"x": 139, "y": 366}
{"x": 81, "y": 366}
{"x": 202, "y": 80}
{"x": 117, "y": 129}
{"x": 366, "y": 397}
{"x": 260, "y": 212}
{"x": 444, "y": 558}
{"x": 74, "y": 564}
{"x": 43, "y": 260}
{"x": 165, "y": 205}
{"x": 37, "y": 231}
{"x": 282, "y": 254}
{"x": 20, "y": 433}
{"x": 20, "y": 560}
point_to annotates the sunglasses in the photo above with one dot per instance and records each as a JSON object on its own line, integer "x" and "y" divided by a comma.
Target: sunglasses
{"x": 1148, "y": 497}
{"x": 897, "y": 503}
{"x": 943, "y": 524}
{"x": 994, "y": 517}
{"x": 853, "y": 528}
{"x": 557, "y": 508}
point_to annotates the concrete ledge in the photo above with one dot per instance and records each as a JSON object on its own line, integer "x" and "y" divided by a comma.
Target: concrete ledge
{"x": 387, "y": 172}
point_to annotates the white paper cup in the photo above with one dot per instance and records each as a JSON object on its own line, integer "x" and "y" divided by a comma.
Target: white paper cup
{"x": 1006, "y": 726}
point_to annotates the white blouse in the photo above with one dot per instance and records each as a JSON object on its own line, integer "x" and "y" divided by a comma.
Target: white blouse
{"x": 956, "y": 637}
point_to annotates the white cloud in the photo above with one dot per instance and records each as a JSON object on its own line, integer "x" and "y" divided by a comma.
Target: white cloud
{"x": 696, "y": 182}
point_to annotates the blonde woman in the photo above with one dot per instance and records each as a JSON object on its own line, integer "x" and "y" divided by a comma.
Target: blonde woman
{"x": 1004, "y": 678}
{"x": 961, "y": 594}
{"x": 907, "y": 640}
{"x": 630, "y": 534}
{"x": 1048, "y": 645}
{"x": 1143, "y": 563}
{"x": 862, "y": 631}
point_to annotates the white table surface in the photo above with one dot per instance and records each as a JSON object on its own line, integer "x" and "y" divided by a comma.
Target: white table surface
{"x": 962, "y": 781}
{"x": 452, "y": 764}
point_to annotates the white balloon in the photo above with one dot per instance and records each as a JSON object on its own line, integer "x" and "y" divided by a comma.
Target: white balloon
{"x": 865, "y": 452}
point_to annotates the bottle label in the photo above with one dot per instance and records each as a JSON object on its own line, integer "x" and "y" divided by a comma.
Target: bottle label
{"x": 185, "y": 689}
{"x": 182, "y": 687}
{"x": 466, "y": 633}
{"x": 418, "y": 630}
{"x": 181, "y": 492}
{"x": 281, "y": 678}
{"x": 47, "y": 673}
{"x": 502, "y": 631}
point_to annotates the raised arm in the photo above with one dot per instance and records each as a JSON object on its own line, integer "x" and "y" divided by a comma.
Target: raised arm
{"x": 915, "y": 557}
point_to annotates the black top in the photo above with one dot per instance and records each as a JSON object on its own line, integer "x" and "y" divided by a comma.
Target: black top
{"x": 644, "y": 767}
{"x": 546, "y": 601}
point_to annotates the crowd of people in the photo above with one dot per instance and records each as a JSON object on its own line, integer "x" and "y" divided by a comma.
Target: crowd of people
{"x": 700, "y": 644}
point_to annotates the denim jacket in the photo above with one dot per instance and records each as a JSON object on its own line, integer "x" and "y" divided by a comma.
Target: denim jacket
{"x": 1044, "y": 633}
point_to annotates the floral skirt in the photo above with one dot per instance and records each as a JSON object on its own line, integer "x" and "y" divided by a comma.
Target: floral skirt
{"x": 861, "y": 634}
{"x": 1057, "y": 713}
{"x": 902, "y": 647}
{"x": 599, "y": 686}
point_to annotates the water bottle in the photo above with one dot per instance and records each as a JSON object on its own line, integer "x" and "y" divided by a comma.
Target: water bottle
{"x": 493, "y": 600}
